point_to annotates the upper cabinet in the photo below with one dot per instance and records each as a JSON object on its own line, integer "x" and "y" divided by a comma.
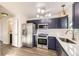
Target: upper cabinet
{"x": 76, "y": 15}
{"x": 63, "y": 22}
{"x": 52, "y": 23}
{"x": 59, "y": 23}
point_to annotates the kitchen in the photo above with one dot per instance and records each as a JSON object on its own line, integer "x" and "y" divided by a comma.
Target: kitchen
{"x": 45, "y": 28}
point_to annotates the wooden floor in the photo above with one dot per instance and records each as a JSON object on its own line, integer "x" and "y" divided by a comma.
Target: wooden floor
{"x": 13, "y": 51}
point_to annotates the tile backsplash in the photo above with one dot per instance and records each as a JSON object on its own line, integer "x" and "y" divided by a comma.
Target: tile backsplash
{"x": 56, "y": 32}
{"x": 76, "y": 34}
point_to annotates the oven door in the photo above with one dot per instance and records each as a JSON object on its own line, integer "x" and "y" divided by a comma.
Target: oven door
{"x": 42, "y": 41}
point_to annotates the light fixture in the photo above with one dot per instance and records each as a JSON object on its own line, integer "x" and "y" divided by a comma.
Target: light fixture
{"x": 38, "y": 10}
{"x": 63, "y": 11}
{"x": 49, "y": 14}
{"x": 42, "y": 11}
{"x": 3, "y": 14}
{"x": 37, "y": 16}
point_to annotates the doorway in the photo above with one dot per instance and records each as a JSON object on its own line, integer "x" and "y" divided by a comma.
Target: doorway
{"x": 10, "y": 30}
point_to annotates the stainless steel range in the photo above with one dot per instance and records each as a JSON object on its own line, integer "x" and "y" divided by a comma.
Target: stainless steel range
{"x": 42, "y": 41}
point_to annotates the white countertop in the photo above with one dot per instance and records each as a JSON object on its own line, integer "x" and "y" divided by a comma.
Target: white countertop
{"x": 70, "y": 49}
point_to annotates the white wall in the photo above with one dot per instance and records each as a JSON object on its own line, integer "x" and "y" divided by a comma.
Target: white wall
{"x": 0, "y": 29}
{"x": 4, "y": 31}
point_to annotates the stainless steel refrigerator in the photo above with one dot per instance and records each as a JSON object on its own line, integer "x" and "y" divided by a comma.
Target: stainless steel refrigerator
{"x": 30, "y": 32}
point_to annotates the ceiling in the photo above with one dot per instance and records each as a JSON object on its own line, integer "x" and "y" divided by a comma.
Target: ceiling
{"x": 28, "y": 9}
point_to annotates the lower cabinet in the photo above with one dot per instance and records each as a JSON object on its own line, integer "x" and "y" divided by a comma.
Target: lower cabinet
{"x": 52, "y": 43}
{"x": 60, "y": 50}
{"x": 34, "y": 41}
{"x": 63, "y": 53}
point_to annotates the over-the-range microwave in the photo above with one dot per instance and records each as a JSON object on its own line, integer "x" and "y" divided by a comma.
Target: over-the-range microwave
{"x": 42, "y": 26}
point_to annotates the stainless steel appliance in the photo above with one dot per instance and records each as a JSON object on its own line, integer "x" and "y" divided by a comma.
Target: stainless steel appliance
{"x": 29, "y": 36}
{"x": 42, "y": 41}
{"x": 42, "y": 26}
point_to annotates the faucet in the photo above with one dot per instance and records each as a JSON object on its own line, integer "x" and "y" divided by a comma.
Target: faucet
{"x": 73, "y": 38}
{"x": 67, "y": 31}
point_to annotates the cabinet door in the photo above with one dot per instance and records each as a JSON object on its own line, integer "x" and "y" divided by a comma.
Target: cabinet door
{"x": 52, "y": 24}
{"x": 52, "y": 43}
{"x": 34, "y": 41}
{"x": 44, "y": 21}
{"x": 63, "y": 53}
{"x": 63, "y": 23}
{"x": 60, "y": 50}
{"x": 76, "y": 15}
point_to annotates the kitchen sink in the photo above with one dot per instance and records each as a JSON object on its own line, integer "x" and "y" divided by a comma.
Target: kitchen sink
{"x": 67, "y": 40}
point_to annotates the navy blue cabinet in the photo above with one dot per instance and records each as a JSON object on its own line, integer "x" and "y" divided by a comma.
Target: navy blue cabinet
{"x": 52, "y": 43}
{"x": 34, "y": 41}
{"x": 60, "y": 50}
{"x": 63, "y": 22}
{"x": 53, "y": 23}
{"x": 76, "y": 15}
